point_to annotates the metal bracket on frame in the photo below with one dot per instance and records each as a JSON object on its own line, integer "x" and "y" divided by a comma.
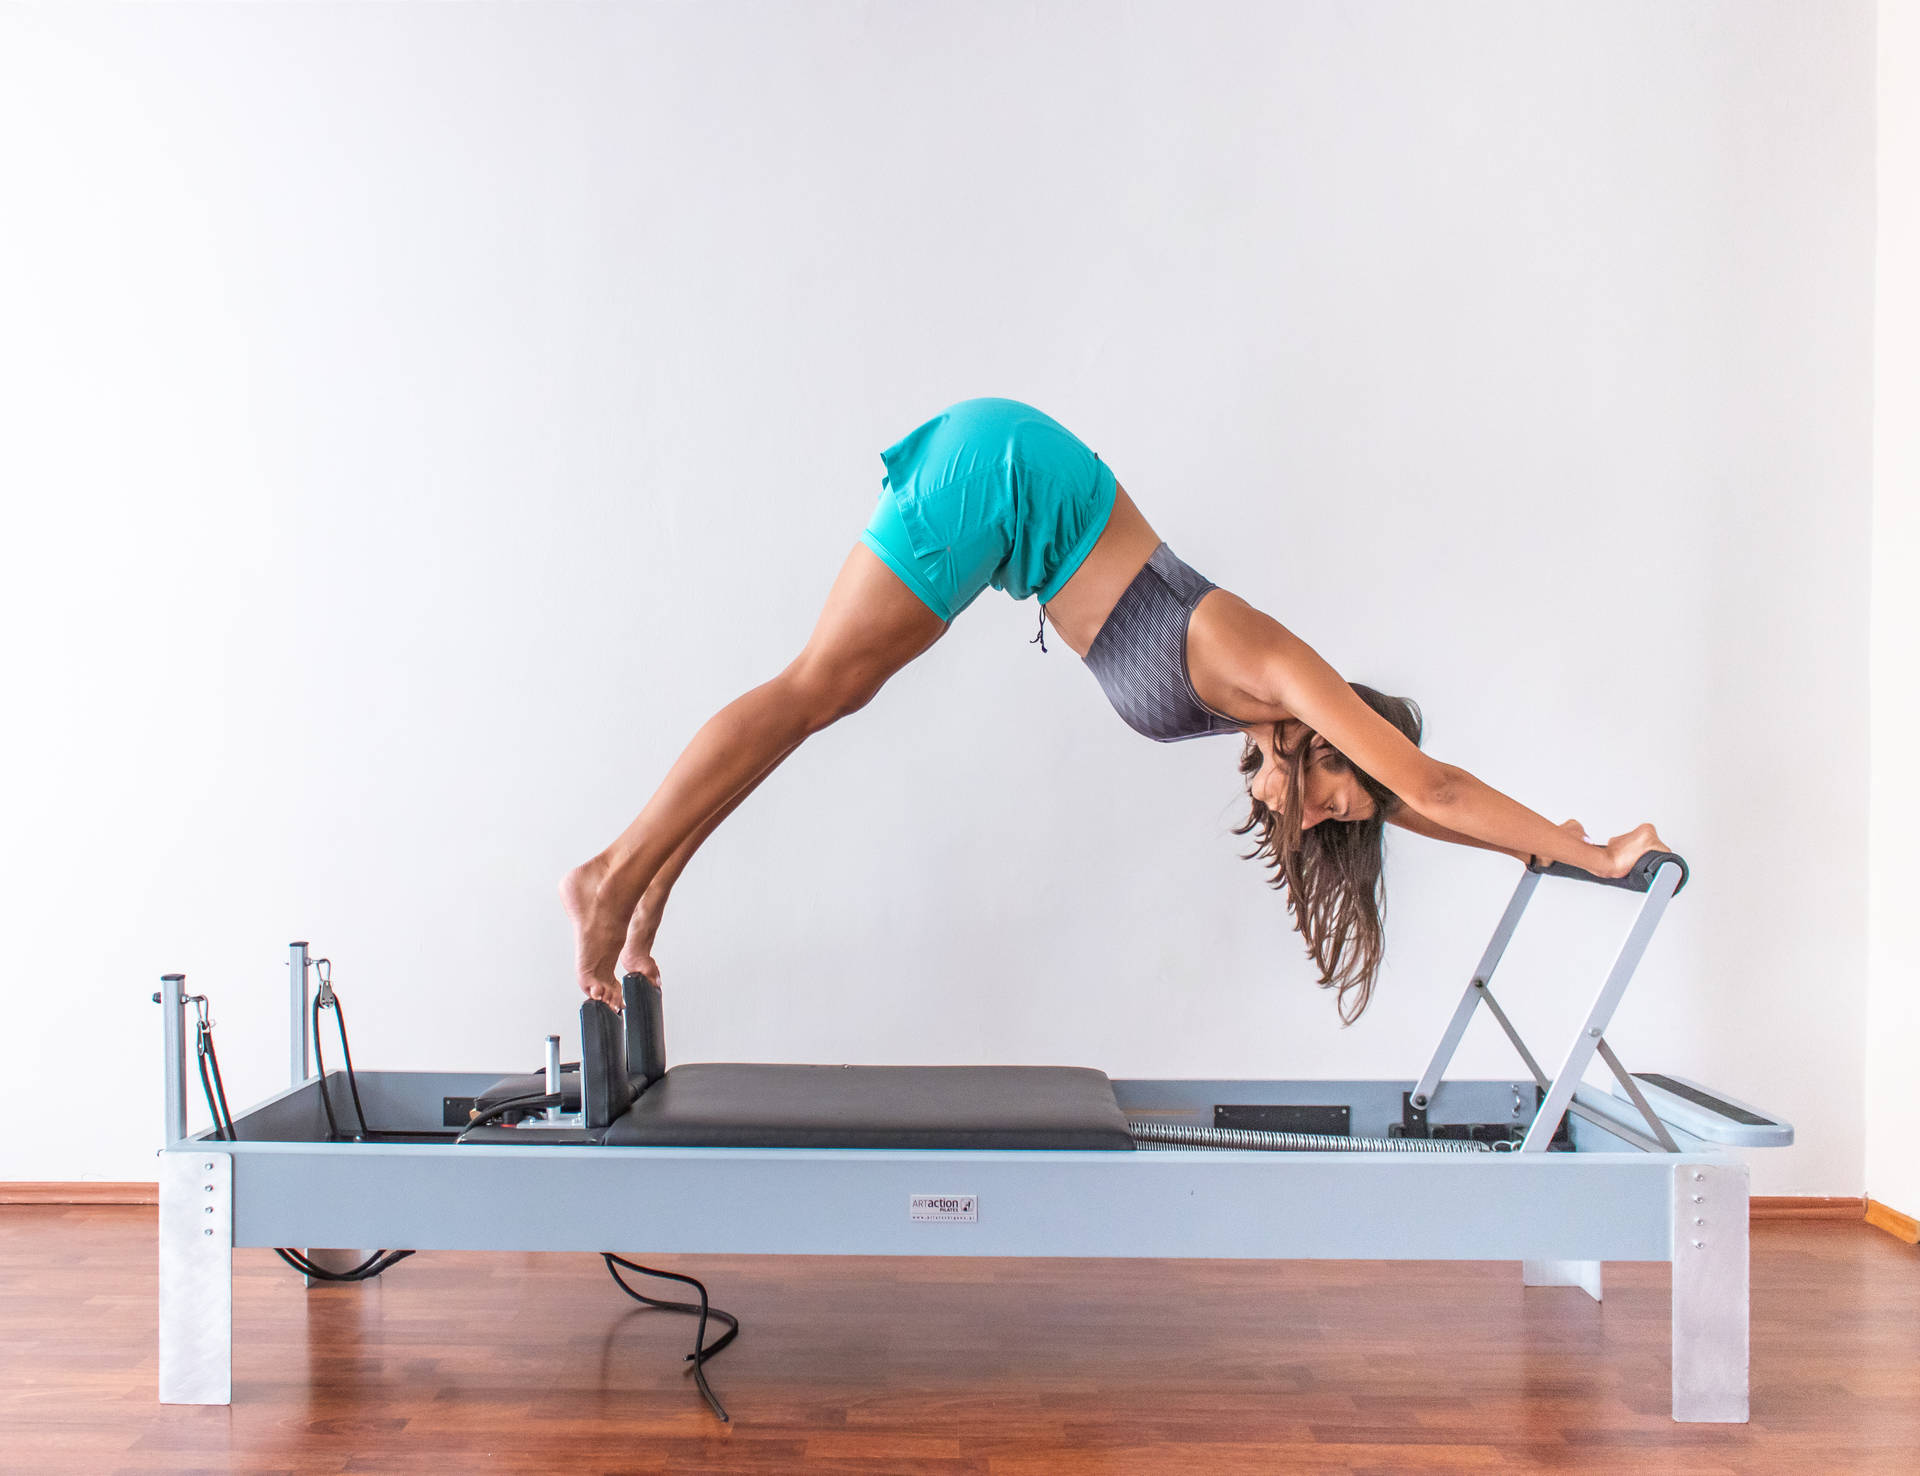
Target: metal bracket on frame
{"x": 1563, "y": 1093}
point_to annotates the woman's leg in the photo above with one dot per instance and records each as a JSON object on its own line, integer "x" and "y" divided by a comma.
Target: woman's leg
{"x": 870, "y": 627}
{"x": 636, "y": 955}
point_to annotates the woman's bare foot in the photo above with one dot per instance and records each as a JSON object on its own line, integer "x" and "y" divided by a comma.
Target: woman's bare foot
{"x": 600, "y": 931}
{"x": 636, "y": 956}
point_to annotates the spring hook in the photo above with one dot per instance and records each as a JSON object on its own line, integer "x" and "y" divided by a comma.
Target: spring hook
{"x": 203, "y": 1027}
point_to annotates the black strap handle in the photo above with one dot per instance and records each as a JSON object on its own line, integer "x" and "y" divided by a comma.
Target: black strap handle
{"x": 1638, "y": 879}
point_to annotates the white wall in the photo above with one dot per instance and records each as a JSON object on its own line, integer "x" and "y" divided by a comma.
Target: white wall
{"x": 422, "y": 418}
{"x": 1893, "y": 1006}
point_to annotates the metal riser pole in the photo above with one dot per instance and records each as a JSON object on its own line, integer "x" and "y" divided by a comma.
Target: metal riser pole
{"x": 297, "y": 1017}
{"x": 173, "y": 1035}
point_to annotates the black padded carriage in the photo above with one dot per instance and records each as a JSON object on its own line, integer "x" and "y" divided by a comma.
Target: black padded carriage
{"x": 631, "y": 1098}
{"x": 720, "y": 1105}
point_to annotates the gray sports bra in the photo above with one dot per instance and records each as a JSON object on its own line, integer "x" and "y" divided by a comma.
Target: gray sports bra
{"x": 1139, "y": 656}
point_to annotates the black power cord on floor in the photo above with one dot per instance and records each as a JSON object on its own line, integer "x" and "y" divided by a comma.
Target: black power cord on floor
{"x": 696, "y": 1360}
{"x": 368, "y": 1269}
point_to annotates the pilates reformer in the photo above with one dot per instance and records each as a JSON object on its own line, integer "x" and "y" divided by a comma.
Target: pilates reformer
{"x": 624, "y": 1151}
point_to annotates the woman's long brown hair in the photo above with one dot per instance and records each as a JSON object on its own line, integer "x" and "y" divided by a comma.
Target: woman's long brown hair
{"x": 1332, "y": 874}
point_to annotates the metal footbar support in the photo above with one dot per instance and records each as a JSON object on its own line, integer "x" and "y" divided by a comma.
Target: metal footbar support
{"x": 1658, "y": 875}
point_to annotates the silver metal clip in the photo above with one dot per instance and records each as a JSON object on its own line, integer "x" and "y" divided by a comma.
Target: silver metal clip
{"x": 203, "y": 1028}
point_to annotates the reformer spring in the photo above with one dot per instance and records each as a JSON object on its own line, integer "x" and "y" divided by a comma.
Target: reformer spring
{"x": 1182, "y": 1135}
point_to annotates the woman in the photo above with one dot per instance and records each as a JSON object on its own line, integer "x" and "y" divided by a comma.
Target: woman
{"x": 991, "y": 491}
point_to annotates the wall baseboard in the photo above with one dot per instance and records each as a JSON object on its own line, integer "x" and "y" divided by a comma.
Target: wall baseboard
{"x": 1764, "y": 1207}
{"x": 79, "y": 1193}
{"x": 1901, "y": 1227}
{"x": 1805, "y": 1207}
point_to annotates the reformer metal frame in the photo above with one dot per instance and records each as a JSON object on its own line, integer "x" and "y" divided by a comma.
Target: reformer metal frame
{"x": 1621, "y": 1194}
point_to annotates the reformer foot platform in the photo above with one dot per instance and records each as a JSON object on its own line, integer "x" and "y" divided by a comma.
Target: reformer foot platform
{"x": 626, "y": 1152}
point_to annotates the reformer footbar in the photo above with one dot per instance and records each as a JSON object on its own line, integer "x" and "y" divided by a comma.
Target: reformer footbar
{"x": 1658, "y": 874}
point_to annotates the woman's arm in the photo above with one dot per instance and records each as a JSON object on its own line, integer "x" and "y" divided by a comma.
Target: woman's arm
{"x": 1273, "y": 675}
{"x": 1408, "y": 818}
{"x": 1482, "y": 810}
{"x": 1411, "y": 819}
{"x": 644, "y": 925}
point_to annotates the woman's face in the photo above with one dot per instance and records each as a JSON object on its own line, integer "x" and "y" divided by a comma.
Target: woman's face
{"x": 1333, "y": 791}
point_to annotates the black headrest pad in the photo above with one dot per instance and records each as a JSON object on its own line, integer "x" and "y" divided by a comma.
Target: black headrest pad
{"x": 533, "y": 1084}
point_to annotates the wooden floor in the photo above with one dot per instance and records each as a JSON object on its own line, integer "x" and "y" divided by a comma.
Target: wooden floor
{"x": 456, "y": 1363}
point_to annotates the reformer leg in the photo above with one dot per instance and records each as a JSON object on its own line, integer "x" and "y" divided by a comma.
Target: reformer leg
{"x": 196, "y": 1278}
{"x": 1710, "y": 1292}
{"x": 1583, "y": 1274}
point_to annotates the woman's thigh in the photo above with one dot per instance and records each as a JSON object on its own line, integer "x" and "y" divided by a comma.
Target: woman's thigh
{"x": 871, "y": 625}
{"x": 946, "y": 577}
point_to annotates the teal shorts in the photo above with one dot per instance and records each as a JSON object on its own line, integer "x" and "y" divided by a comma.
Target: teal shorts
{"x": 988, "y": 492}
